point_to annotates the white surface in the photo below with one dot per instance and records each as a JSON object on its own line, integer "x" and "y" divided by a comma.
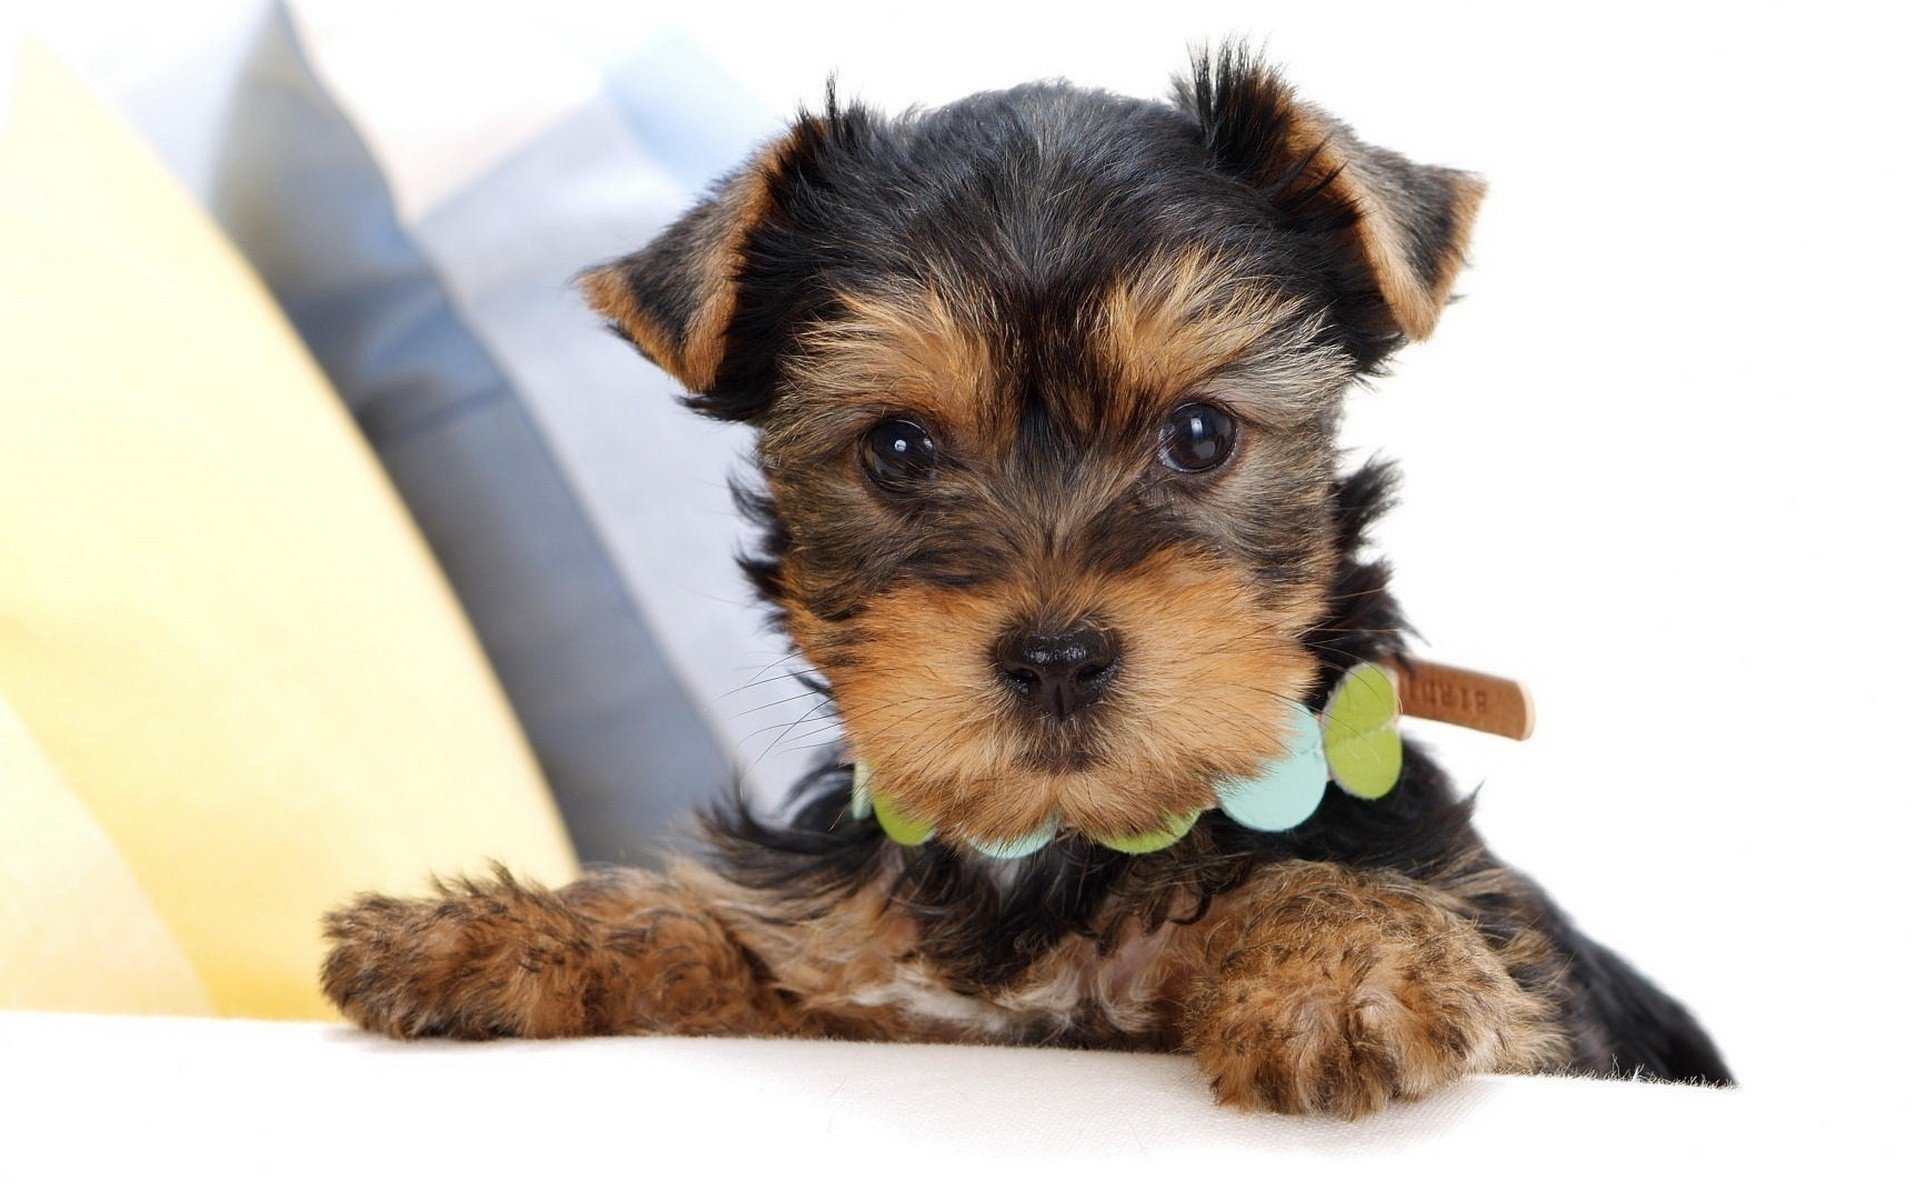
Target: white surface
{"x": 254, "y": 1108}
{"x": 1658, "y": 465}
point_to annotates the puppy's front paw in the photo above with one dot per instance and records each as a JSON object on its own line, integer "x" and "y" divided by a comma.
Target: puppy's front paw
{"x": 482, "y": 960}
{"x": 617, "y": 951}
{"x": 1340, "y": 1046}
{"x": 1351, "y": 993}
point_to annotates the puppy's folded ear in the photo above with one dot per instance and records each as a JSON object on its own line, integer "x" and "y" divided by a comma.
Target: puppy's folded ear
{"x": 677, "y": 298}
{"x": 1398, "y": 229}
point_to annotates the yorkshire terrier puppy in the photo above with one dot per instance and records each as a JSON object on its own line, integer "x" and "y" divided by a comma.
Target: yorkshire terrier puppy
{"x": 1047, "y": 386}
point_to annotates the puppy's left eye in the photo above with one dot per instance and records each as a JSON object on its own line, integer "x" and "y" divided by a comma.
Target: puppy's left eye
{"x": 1197, "y": 437}
{"x": 898, "y": 453}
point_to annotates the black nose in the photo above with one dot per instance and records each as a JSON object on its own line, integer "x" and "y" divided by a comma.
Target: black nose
{"x": 1057, "y": 673}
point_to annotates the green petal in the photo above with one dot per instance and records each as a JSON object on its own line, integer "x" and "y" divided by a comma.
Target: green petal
{"x": 1361, "y": 732}
{"x": 900, "y": 827}
{"x": 1171, "y": 830}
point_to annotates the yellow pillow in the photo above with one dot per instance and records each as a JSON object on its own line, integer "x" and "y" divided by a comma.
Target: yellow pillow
{"x": 215, "y": 618}
{"x": 75, "y": 930}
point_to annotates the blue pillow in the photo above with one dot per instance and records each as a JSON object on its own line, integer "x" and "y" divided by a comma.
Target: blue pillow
{"x": 578, "y": 512}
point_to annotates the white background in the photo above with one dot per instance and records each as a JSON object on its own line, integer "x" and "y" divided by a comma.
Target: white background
{"x": 1658, "y": 457}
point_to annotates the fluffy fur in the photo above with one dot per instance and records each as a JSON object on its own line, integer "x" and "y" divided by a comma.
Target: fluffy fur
{"x": 1036, "y": 278}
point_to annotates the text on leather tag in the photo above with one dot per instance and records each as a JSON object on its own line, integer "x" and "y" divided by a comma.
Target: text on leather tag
{"x": 1437, "y": 692}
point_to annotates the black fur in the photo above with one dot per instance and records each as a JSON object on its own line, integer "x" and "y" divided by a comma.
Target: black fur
{"x": 860, "y": 200}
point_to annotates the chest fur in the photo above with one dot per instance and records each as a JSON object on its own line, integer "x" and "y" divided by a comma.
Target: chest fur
{"x": 1073, "y": 994}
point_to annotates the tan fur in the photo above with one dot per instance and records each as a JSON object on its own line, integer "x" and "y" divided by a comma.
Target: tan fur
{"x": 948, "y": 745}
{"x": 607, "y": 292}
{"x": 616, "y": 952}
{"x": 1177, "y": 326}
{"x": 1336, "y": 155}
{"x": 1325, "y": 989}
{"x": 743, "y": 203}
{"x": 1190, "y": 323}
{"x": 920, "y": 349}
{"x": 1314, "y": 988}
{"x": 911, "y": 671}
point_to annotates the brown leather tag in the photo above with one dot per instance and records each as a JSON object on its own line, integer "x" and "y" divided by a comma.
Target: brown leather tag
{"x": 1436, "y": 692}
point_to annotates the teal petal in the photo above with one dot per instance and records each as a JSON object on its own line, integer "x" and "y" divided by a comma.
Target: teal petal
{"x": 1289, "y": 788}
{"x": 861, "y": 806}
{"x": 1018, "y": 847}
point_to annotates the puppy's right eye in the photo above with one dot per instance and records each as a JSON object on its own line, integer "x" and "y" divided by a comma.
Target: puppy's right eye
{"x": 1196, "y": 438}
{"x": 898, "y": 454}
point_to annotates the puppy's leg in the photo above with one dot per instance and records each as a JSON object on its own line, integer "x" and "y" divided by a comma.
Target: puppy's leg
{"x": 620, "y": 951}
{"x": 1330, "y": 990}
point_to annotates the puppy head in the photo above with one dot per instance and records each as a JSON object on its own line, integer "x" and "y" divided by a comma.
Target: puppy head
{"x": 1047, "y": 384}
